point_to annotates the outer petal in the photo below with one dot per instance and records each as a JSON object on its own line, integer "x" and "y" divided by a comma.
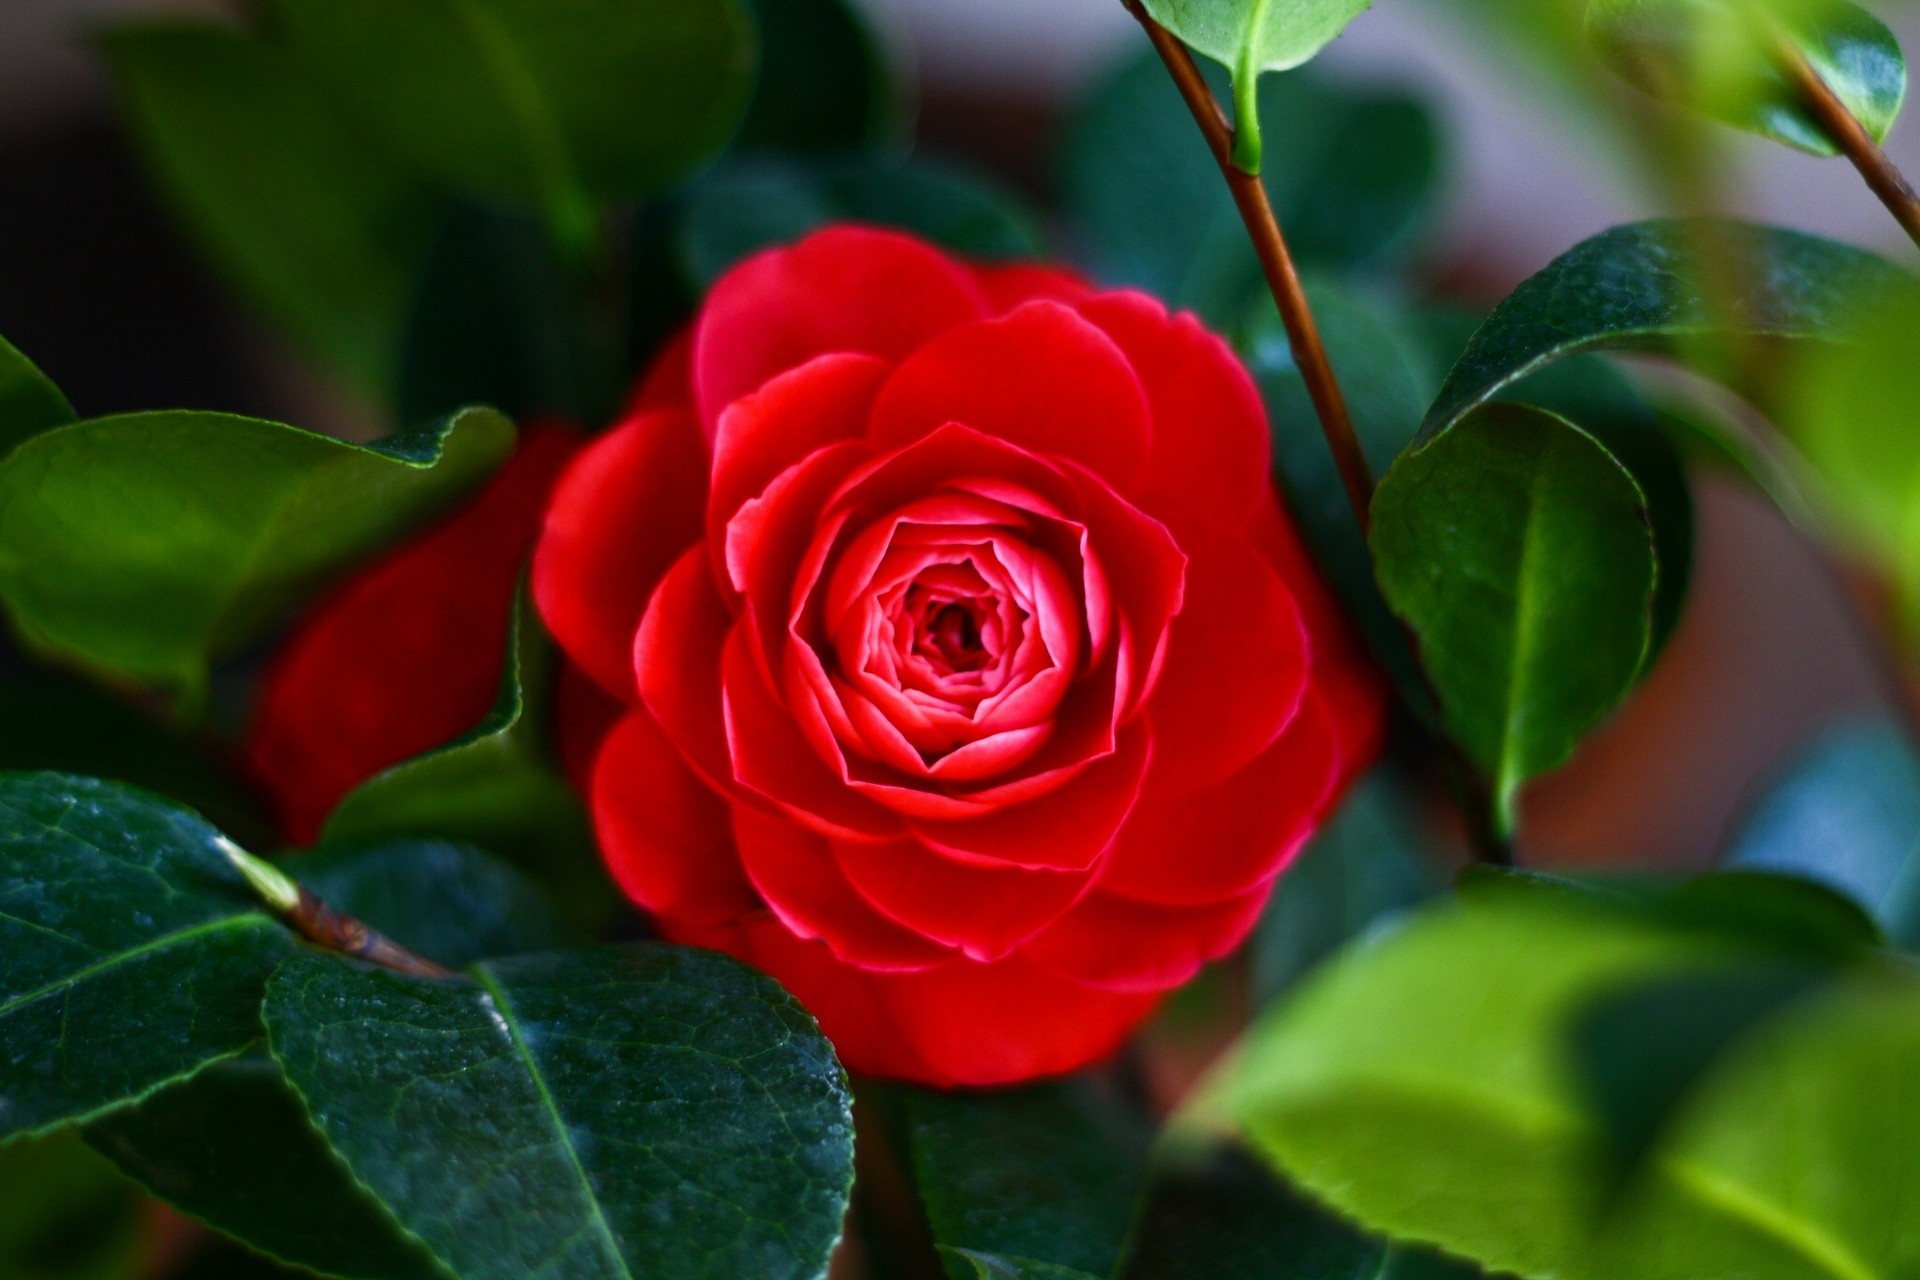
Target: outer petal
{"x": 1041, "y": 378}
{"x": 796, "y": 873}
{"x": 841, "y": 289}
{"x": 1163, "y": 946}
{"x": 1211, "y": 455}
{"x": 583, "y": 716}
{"x": 623, "y": 513}
{"x": 1008, "y": 284}
{"x": 984, "y": 909}
{"x": 1200, "y": 848}
{"x": 1236, "y": 665}
{"x": 676, "y": 660}
{"x": 668, "y": 383}
{"x": 405, "y": 656}
{"x": 665, "y": 835}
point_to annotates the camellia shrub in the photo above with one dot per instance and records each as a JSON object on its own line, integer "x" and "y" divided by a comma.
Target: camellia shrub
{"x": 856, "y": 728}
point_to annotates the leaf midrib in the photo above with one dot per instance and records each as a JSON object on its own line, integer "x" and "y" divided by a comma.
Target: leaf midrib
{"x": 244, "y": 920}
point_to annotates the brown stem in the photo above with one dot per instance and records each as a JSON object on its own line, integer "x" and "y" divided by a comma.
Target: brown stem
{"x": 321, "y": 925}
{"x": 1847, "y": 133}
{"x": 1309, "y": 353}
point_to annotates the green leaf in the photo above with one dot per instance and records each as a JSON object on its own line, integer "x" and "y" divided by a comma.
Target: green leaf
{"x": 1251, "y": 36}
{"x": 1047, "y": 1173}
{"x": 495, "y": 320}
{"x": 232, "y": 1147}
{"x": 29, "y": 402}
{"x": 131, "y": 953}
{"x": 1519, "y": 552}
{"x": 149, "y": 545}
{"x": 322, "y": 231}
{"x": 636, "y": 1111}
{"x": 755, "y": 204}
{"x": 1355, "y": 186}
{"x": 66, "y": 1214}
{"x": 1368, "y": 864}
{"x": 824, "y": 83}
{"x": 494, "y": 787}
{"x": 1425, "y": 1086}
{"x": 965, "y": 1264}
{"x": 1720, "y": 58}
{"x": 552, "y": 106}
{"x": 1846, "y": 813}
{"x": 1679, "y": 287}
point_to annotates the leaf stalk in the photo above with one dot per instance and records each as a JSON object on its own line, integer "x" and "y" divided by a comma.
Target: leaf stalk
{"x": 1844, "y": 129}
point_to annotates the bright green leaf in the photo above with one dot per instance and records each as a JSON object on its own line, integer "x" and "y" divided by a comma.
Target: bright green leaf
{"x": 554, "y": 106}
{"x": 1519, "y": 552}
{"x": 321, "y": 230}
{"x": 824, "y": 82}
{"x": 1047, "y": 1173}
{"x": 29, "y": 402}
{"x": 151, "y": 544}
{"x": 636, "y": 1111}
{"x": 131, "y": 954}
{"x": 1249, "y": 37}
{"x": 1721, "y": 57}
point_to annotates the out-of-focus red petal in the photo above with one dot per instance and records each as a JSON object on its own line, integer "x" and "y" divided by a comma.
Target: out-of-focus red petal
{"x": 668, "y": 383}
{"x": 1041, "y": 378}
{"x": 676, "y": 658}
{"x": 664, "y": 833}
{"x": 630, "y": 504}
{"x": 802, "y": 410}
{"x": 1008, "y": 284}
{"x": 1125, "y": 945}
{"x": 1214, "y": 844}
{"x": 1236, "y": 665}
{"x": 1068, "y": 828}
{"x": 841, "y": 289}
{"x": 984, "y": 909}
{"x": 1210, "y": 459}
{"x": 405, "y": 656}
{"x": 583, "y": 716}
{"x": 797, "y": 875}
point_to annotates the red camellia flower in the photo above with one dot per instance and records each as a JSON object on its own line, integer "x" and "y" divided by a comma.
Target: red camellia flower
{"x": 978, "y": 688}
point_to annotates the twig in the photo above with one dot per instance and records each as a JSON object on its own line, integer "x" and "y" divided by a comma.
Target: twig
{"x": 1847, "y": 133}
{"x": 1309, "y": 353}
{"x": 320, "y": 924}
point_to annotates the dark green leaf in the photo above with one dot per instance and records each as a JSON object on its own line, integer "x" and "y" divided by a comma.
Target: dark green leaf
{"x": 553, "y": 106}
{"x": 1249, "y": 37}
{"x": 131, "y": 953}
{"x": 965, "y": 1264}
{"x": 1518, "y": 550}
{"x": 638, "y": 1111}
{"x": 150, "y": 544}
{"x": 493, "y": 787}
{"x": 824, "y": 82}
{"x": 1048, "y": 1173}
{"x": 233, "y": 1147}
{"x": 495, "y": 321}
{"x": 321, "y": 230}
{"x": 66, "y": 1214}
{"x": 1846, "y": 813}
{"x": 1679, "y": 287}
{"x": 1721, "y": 57}
{"x": 29, "y": 402}
{"x": 755, "y": 204}
{"x": 1423, "y": 1085}
{"x": 452, "y": 904}
{"x": 1369, "y": 863}
{"x": 1786, "y": 914}
{"x": 1353, "y": 186}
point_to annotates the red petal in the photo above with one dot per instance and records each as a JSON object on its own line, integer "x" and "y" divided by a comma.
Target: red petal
{"x": 1009, "y": 284}
{"x": 1164, "y": 946}
{"x": 802, "y": 410}
{"x": 664, "y": 834}
{"x": 796, "y": 873}
{"x": 583, "y": 716}
{"x": 984, "y": 909}
{"x": 1206, "y": 846}
{"x": 1236, "y": 665}
{"x": 841, "y": 289}
{"x": 1067, "y": 829}
{"x": 1040, "y": 378}
{"x": 1211, "y": 455}
{"x": 405, "y": 656}
{"x": 623, "y": 513}
{"x": 676, "y": 657}
{"x": 668, "y": 383}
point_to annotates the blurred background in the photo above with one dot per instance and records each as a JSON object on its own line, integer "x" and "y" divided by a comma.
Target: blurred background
{"x": 97, "y": 284}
